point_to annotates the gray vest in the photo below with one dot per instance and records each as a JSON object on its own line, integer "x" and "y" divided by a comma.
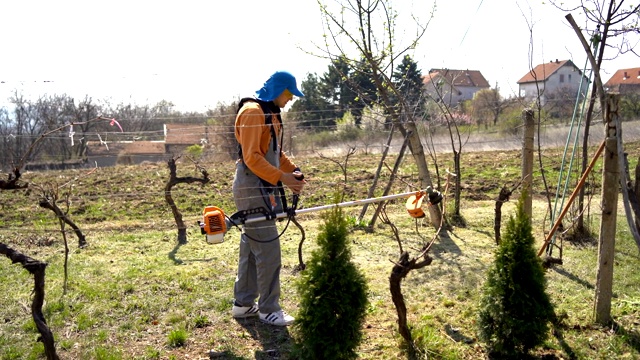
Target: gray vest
{"x": 250, "y": 191}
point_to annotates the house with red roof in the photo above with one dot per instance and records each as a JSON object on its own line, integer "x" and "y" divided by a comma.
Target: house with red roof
{"x": 453, "y": 86}
{"x": 624, "y": 81}
{"x": 177, "y": 138}
{"x": 548, "y": 79}
{"x": 111, "y": 153}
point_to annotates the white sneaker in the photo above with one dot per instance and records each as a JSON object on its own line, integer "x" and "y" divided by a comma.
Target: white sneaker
{"x": 241, "y": 312}
{"x": 278, "y": 318}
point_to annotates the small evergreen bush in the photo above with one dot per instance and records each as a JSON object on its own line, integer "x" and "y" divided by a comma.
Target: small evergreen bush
{"x": 333, "y": 297}
{"x": 514, "y": 309}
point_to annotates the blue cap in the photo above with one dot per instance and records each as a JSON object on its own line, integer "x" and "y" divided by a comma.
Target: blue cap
{"x": 277, "y": 83}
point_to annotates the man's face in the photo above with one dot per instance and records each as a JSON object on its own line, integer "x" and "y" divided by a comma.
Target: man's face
{"x": 282, "y": 100}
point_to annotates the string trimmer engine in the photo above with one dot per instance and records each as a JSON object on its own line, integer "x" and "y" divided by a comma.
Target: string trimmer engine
{"x": 214, "y": 224}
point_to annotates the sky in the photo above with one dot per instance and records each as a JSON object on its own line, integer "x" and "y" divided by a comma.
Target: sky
{"x": 198, "y": 53}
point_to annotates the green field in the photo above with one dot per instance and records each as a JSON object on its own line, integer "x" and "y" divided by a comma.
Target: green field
{"x": 134, "y": 293}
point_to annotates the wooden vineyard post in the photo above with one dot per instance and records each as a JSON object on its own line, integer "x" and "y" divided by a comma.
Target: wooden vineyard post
{"x": 607, "y": 237}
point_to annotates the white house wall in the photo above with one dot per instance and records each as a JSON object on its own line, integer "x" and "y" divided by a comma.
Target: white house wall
{"x": 565, "y": 77}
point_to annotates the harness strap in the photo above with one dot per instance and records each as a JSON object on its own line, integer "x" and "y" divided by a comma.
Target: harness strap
{"x": 268, "y": 110}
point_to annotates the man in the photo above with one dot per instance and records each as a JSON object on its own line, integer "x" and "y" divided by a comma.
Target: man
{"x": 261, "y": 167}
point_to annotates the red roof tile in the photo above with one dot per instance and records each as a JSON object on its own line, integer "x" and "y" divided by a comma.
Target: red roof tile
{"x": 624, "y": 77}
{"x": 543, "y": 71}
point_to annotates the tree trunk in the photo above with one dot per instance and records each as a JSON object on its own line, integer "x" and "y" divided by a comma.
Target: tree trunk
{"x": 372, "y": 188}
{"x": 174, "y": 180}
{"x": 497, "y": 222}
{"x": 458, "y": 182}
{"x": 527, "y": 160}
{"x": 415, "y": 145}
{"x": 51, "y": 205}
{"x": 37, "y": 269}
{"x": 389, "y": 184}
{"x": 637, "y": 193}
{"x": 399, "y": 272}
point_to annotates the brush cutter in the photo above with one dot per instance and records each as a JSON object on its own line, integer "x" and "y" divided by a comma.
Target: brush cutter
{"x": 215, "y": 223}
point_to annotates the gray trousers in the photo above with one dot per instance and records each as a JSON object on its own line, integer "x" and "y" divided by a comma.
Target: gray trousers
{"x": 259, "y": 262}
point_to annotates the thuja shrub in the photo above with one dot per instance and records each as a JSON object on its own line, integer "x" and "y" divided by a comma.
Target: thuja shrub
{"x": 333, "y": 297}
{"x": 515, "y": 309}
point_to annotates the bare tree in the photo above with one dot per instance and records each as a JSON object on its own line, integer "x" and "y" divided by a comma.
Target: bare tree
{"x": 343, "y": 166}
{"x": 37, "y": 269}
{"x": 374, "y": 41}
{"x": 173, "y": 181}
{"x": 148, "y": 121}
{"x": 222, "y": 120}
{"x": 25, "y": 127}
{"x": 405, "y": 264}
{"x": 28, "y": 119}
{"x": 80, "y": 113}
{"x": 446, "y": 110}
{"x": 487, "y": 106}
{"x": 27, "y": 153}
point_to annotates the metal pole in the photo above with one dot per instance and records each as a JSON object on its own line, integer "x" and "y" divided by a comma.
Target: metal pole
{"x": 573, "y": 196}
{"x": 342, "y": 204}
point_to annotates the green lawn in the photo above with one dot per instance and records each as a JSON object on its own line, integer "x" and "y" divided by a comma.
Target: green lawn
{"x": 133, "y": 293}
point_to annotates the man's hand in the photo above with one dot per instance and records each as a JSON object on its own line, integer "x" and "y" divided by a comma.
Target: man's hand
{"x": 292, "y": 182}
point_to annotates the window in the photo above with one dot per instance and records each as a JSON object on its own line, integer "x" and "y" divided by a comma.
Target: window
{"x": 561, "y": 78}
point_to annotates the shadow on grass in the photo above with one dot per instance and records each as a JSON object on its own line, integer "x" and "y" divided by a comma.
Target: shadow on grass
{"x": 557, "y": 330}
{"x": 573, "y": 277}
{"x": 178, "y": 261}
{"x": 446, "y": 245}
{"x": 275, "y": 340}
{"x": 224, "y": 355}
{"x": 631, "y": 337}
{"x": 456, "y": 335}
{"x": 172, "y": 254}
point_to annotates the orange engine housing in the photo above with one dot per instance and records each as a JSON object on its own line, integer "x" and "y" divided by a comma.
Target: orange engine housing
{"x": 414, "y": 206}
{"x": 214, "y": 224}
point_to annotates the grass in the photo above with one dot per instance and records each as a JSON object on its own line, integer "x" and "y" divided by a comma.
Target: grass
{"x": 177, "y": 338}
{"x": 134, "y": 293}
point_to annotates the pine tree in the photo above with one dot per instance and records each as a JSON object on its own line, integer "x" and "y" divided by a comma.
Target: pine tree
{"x": 312, "y": 110}
{"x": 408, "y": 80}
{"x": 334, "y": 87}
{"x": 333, "y": 297}
{"x": 515, "y": 310}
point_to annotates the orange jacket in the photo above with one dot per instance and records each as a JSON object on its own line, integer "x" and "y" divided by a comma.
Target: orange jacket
{"x": 254, "y": 138}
